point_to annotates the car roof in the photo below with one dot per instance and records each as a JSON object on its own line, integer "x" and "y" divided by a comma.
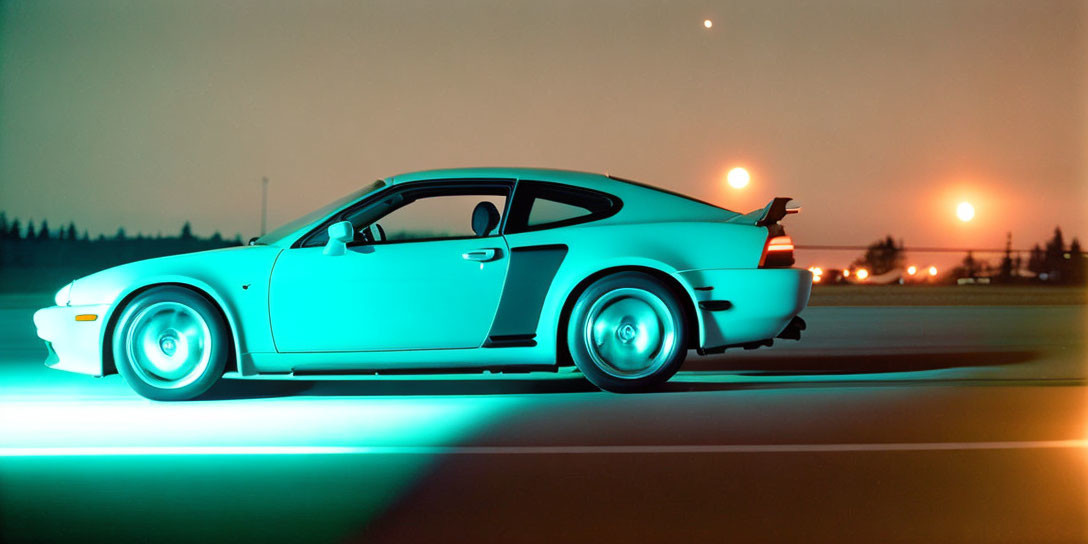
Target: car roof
{"x": 656, "y": 200}
{"x": 498, "y": 172}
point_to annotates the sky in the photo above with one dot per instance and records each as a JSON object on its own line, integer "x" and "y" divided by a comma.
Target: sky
{"x": 879, "y": 117}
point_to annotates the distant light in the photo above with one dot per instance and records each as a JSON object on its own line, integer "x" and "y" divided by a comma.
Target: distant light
{"x": 862, "y": 274}
{"x": 738, "y": 178}
{"x": 708, "y": 23}
{"x": 933, "y": 271}
{"x": 912, "y": 270}
{"x": 965, "y": 211}
{"x": 815, "y": 278}
{"x": 846, "y": 273}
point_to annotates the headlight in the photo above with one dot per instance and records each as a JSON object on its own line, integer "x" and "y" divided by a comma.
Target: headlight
{"x": 64, "y": 295}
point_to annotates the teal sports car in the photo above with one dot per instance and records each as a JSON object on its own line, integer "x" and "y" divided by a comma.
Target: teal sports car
{"x": 467, "y": 270}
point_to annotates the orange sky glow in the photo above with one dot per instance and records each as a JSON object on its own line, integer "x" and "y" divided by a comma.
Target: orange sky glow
{"x": 879, "y": 118}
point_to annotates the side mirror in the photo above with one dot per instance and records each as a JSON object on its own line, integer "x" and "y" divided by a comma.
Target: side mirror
{"x": 339, "y": 235}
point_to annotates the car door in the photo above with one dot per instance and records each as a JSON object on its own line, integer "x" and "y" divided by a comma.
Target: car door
{"x": 417, "y": 277}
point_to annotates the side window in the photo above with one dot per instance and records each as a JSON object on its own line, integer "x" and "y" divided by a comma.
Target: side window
{"x": 437, "y": 217}
{"x": 540, "y": 205}
{"x": 423, "y": 211}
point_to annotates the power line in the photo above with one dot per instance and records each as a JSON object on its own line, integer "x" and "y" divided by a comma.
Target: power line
{"x": 917, "y": 249}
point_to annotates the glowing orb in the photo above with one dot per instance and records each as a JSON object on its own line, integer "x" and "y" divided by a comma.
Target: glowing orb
{"x": 738, "y": 178}
{"x": 912, "y": 270}
{"x": 965, "y": 211}
{"x": 862, "y": 274}
{"x": 708, "y": 23}
{"x": 933, "y": 271}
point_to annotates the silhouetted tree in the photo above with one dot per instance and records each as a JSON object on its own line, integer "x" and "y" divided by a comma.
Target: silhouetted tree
{"x": 1054, "y": 256}
{"x": 1037, "y": 261}
{"x": 3, "y": 226}
{"x": 1077, "y": 263}
{"x": 43, "y": 230}
{"x": 882, "y": 256}
{"x": 15, "y": 232}
{"x": 186, "y": 231}
{"x": 969, "y": 267}
{"x": 217, "y": 238}
{"x": 120, "y": 236}
{"x": 71, "y": 231}
{"x": 30, "y": 232}
{"x": 86, "y": 236}
{"x": 1005, "y": 272}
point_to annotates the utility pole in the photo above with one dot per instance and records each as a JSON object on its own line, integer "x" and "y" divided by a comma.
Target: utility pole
{"x": 264, "y": 203}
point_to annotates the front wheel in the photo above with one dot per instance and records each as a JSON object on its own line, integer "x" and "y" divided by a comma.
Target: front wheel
{"x": 627, "y": 333}
{"x": 170, "y": 343}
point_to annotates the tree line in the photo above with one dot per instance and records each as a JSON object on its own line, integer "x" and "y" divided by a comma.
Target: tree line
{"x": 1051, "y": 262}
{"x": 36, "y": 246}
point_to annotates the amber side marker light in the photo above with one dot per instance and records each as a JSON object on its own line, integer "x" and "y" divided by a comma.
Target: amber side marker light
{"x": 87, "y": 317}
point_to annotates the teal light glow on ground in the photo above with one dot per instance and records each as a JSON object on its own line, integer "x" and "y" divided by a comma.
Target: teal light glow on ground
{"x": 87, "y": 459}
{"x": 287, "y": 469}
{"x": 262, "y": 423}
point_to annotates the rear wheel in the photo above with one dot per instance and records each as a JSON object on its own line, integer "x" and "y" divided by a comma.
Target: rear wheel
{"x": 627, "y": 332}
{"x": 170, "y": 343}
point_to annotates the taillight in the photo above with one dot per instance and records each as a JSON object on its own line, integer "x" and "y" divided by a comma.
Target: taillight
{"x": 778, "y": 253}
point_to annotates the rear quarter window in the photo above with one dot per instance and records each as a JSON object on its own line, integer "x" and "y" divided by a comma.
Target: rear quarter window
{"x": 541, "y": 205}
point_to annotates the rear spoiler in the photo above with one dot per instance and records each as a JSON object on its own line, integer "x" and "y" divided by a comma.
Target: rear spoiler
{"x": 770, "y": 214}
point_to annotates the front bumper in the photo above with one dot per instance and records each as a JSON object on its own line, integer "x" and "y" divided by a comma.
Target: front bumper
{"x": 75, "y": 346}
{"x": 742, "y": 306}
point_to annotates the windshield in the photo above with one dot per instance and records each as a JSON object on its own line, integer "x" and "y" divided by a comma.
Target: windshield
{"x": 286, "y": 230}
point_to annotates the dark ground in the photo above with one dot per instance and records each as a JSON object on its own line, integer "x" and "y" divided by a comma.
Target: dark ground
{"x": 884, "y": 424}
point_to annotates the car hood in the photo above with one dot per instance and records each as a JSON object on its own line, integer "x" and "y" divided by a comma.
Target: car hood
{"x": 203, "y": 269}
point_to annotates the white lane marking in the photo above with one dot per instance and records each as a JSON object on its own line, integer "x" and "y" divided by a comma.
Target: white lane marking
{"x": 533, "y": 450}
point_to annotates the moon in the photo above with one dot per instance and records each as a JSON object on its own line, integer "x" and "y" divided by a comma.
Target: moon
{"x": 965, "y": 211}
{"x": 708, "y": 23}
{"x": 738, "y": 178}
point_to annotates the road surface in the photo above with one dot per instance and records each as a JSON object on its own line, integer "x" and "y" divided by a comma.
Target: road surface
{"x": 883, "y": 424}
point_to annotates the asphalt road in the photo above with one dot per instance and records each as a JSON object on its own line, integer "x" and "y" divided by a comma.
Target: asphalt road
{"x": 883, "y": 424}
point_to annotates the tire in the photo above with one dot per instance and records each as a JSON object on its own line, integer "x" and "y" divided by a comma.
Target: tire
{"x": 171, "y": 343}
{"x": 627, "y": 333}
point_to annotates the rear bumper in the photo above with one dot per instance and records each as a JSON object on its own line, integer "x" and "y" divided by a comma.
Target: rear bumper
{"x": 75, "y": 346}
{"x": 742, "y": 306}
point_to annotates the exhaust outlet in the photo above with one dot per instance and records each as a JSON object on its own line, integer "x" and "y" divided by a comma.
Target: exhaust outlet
{"x": 793, "y": 330}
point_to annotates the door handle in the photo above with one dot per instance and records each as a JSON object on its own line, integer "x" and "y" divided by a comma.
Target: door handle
{"x": 482, "y": 255}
